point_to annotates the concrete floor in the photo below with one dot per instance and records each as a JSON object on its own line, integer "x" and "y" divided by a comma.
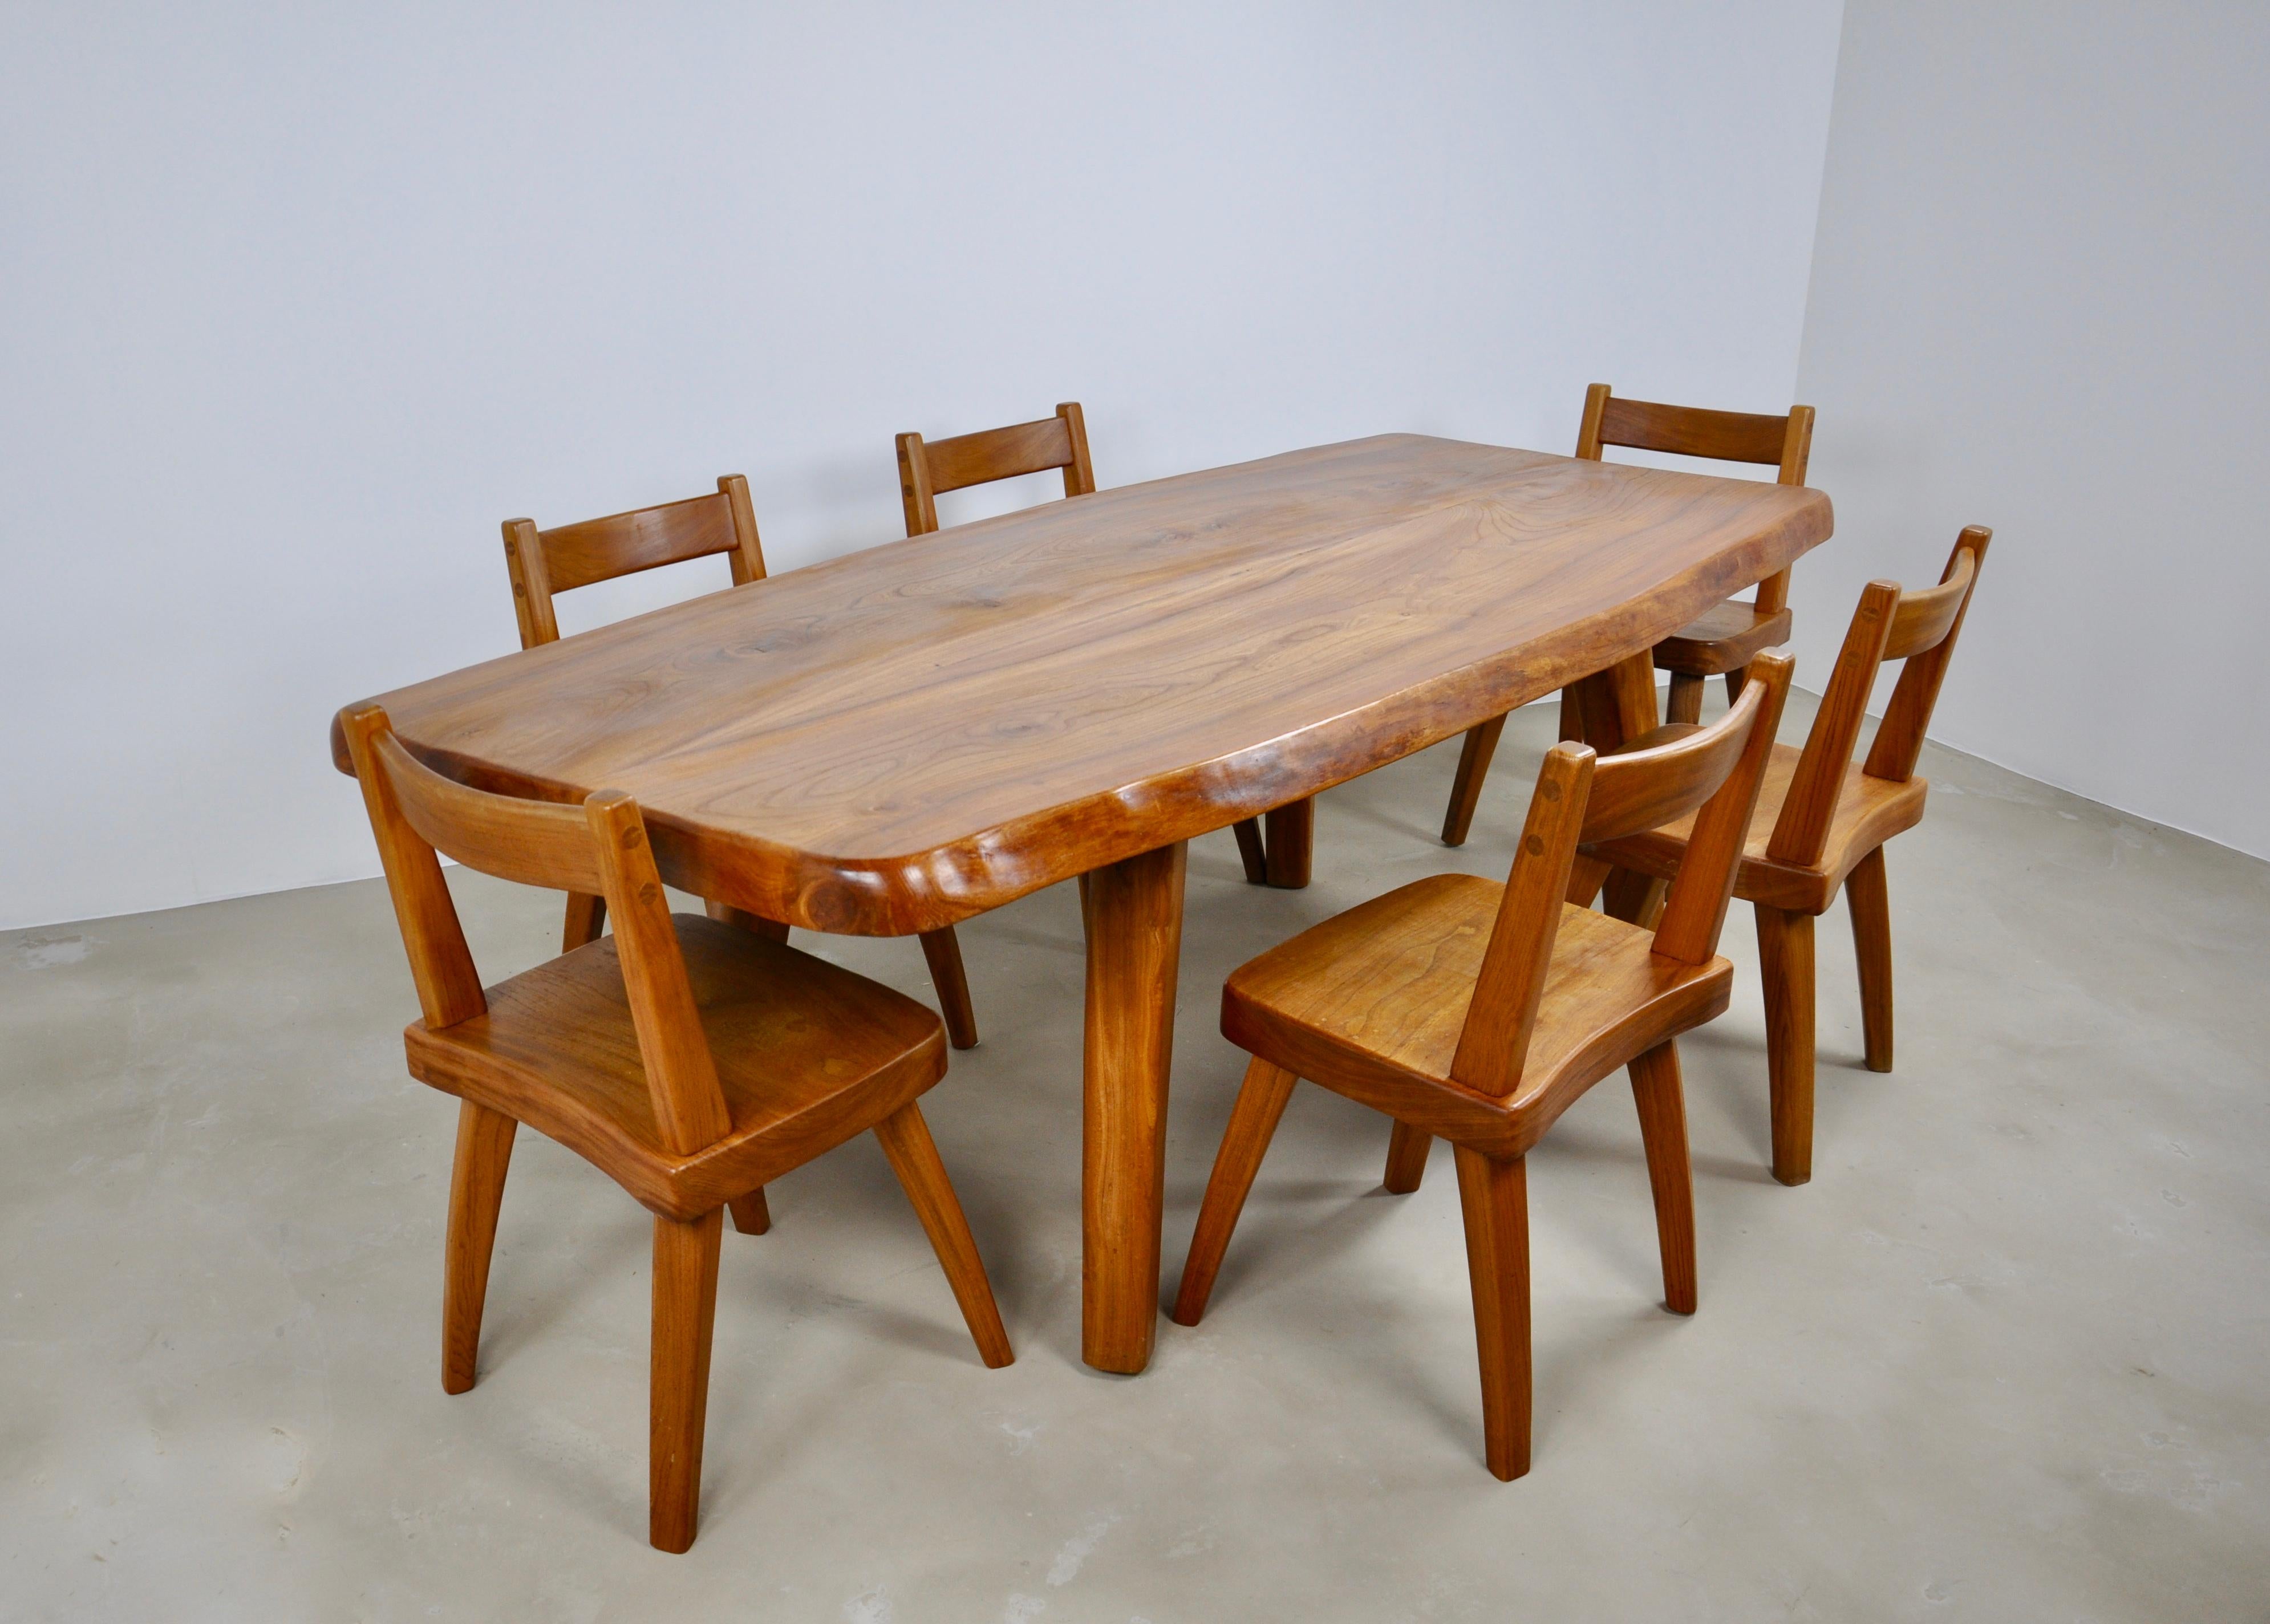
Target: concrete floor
{"x": 2003, "y": 1358}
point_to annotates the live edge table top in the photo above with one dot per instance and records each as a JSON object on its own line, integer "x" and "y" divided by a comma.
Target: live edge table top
{"x": 900, "y": 739}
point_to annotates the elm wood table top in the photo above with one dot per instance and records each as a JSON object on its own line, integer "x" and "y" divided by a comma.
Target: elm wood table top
{"x": 901, "y": 738}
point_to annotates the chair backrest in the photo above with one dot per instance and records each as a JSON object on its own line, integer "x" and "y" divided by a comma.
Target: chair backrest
{"x": 599, "y": 849}
{"x": 927, "y": 470}
{"x": 544, "y": 562}
{"x": 1784, "y": 442}
{"x": 1583, "y": 797}
{"x": 1919, "y": 627}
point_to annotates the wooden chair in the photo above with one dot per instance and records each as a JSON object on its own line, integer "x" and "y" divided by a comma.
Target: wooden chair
{"x": 1821, "y": 823}
{"x": 688, "y": 1060}
{"x": 1480, "y": 1012}
{"x": 1723, "y": 640}
{"x": 544, "y": 562}
{"x": 928, "y": 470}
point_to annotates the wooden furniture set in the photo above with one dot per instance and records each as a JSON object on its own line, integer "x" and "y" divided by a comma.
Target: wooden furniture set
{"x": 894, "y": 741}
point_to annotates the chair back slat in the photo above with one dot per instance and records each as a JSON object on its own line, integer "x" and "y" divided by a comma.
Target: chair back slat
{"x": 1926, "y": 623}
{"x": 546, "y": 562}
{"x": 1694, "y": 431}
{"x": 1899, "y": 736}
{"x": 1925, "y": 618}
{"x": 449, "y": 986}
{"x": 1694, "y": 913}
{"x": 529, "y": 843}
{"x": 929, "y": 469}
{"x": 623, "y": 544}
{"x": 1660, "y": 777}
{"x": 1716, "y": 769}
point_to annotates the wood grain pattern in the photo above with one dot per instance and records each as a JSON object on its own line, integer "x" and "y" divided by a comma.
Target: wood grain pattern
{"x": 899, "y": 739}
{"x": 677, "y": 1384}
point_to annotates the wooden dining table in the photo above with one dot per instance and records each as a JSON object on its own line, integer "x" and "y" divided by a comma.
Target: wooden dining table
{"x": 901, "y": 738}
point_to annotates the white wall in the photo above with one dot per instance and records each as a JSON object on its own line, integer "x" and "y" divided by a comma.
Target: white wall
{"x": 300, "y": 306}
{"x": 2041, "y": 301}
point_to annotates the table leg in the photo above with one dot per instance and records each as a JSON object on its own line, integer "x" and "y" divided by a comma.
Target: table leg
{"x": 1292, "y": 833}
{"x": 1618, "y": 704}
{"x": 1133, "y": 914}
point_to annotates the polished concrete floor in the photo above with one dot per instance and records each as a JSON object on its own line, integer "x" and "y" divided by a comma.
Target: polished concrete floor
{"x": 2007, "y": 1357}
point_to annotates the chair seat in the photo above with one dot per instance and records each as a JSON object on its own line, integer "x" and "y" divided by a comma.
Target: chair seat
{"x": 808, "y": 1056}
{"x": 1724, "y": 638}
{"x": 1869, "y": 812}
{"x": 1370, "y": 1002}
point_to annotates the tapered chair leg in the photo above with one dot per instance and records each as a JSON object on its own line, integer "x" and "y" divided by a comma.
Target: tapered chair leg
{"x": 1685, "y": 703}
{"x": 1290, "y": 843}
{"x": 1495, "y": 1197}
{"x": 1250, "y": 852}
{"x": 1585, "y": 877}
{"x": 476, "y": 1191}
{"x": 1634, "y": 898}
{"x": 943, "y": 950}
{"x": 741, "y": 919}
{"x": 1466, "y": 788}
{"x": 1663, "y": 1129}
{"x": 677, "y": 1395}
{"x": 914, "y": 1158}
{"x": 1735, "y": 681}
{"x": 1252, "y": 1120}
{"x": 1870, "y": 902}
{"x": 587, "y": 916}
{"x": 751, "y": 1214}
{"x": 1407, "y": 1158}
{"x": 1785, "y": 967}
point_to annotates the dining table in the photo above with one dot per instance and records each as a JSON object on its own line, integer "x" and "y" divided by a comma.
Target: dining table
{"x": 899, "y": 739}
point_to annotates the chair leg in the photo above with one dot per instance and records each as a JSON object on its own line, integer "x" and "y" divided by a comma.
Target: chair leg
{"x": 1686, "y": 701}
{"x": 476, "y": 1191}
{"x": 943, "y": 950}
{"x": 1251, "y": 853}
{"x": 587, "y": 916}
{"x": 1466, "y": 788}
{"x": 751, "y": 1214}
{"x": 1572, "y": 715}
{"x": 914, "y": 1158}
{"x": 1407, "y": 1158}
{"x": 1252, "y": 1120}
{"x": 741, "y": 918}
{"x": 1635, "y": 898}
{"x": 1870, "y": 906}
{"x": 1663, "y": 1129}
{"x": 1495, "y": 1197}
{"x": 1585, "y": 877}
{"x": 1786, "y": 964}
{"x": 677, "y": 1394}
{"x": 1734, "y": 680}
{"x": 1290, "y": 841}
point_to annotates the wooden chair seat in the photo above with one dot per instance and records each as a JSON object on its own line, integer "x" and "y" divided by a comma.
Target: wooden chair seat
{"x": 807, "y": 1054}
{"x": 1724, "y": 638}
{"x": 1371, "y": 1003}
{"x": 1868, "y": 812}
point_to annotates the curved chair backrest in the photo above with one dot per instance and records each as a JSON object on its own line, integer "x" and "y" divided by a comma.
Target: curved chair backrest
{"x": 1712, "y": 772}
{"x": 928, "y": 470}
{"x": 544, "y": 562}
{"x": 1919, "y": 628}
{"x": 1784, "y": 442}
{"x": 599, "y": 847}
